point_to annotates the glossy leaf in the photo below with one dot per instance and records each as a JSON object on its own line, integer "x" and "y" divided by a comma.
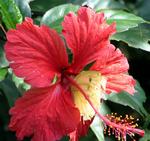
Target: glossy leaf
{"x": 3, "y": 61}
{"x": 100, "y": 4}
{"x": 55, "y": 16}
{"x": 134, "y": 101}
{"x": 44, "y": 5}
{"x": 3, "y": 73}
{"x": 123, "y": 20}
{"x": 20, "y": 84}
{"x": 146, "y": 136}
{"x": 10, "y": 13}
{"x": 97, "y": 125}
{"x": 24, "y": 7}
{"x": 136, "y": 37}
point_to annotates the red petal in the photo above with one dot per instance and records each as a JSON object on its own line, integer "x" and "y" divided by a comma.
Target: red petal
{"x": 35, "y": 53}
{"x": 114, "y": 65}
{"x": 86, "y": 34}
{"x": 46, "y": 113}
{"x": 81, "y": 130}
{"x": 119, "y": 82}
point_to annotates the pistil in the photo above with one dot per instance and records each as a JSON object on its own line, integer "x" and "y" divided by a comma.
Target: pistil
{"x": 121, "y": 128}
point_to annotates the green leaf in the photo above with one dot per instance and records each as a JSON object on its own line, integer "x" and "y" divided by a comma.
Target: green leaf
{"x": 10, "y": 13}
{"x": 44, "y": 5}
{"x": 97, "y": 128}
{"x": 10, "y": 90}
{"x": 136, "y": 37}
{"x": 134, "y": 101}
{"x": 143, "y": 9}
{"x": 97, "y": 125}
{"x": 20, "y": 84}
{"x": 146, "y": 136}
{"x": 24, "y": 7}
{"x": 123, "y": 20}
{"x": 3, "y": 73}
{"x": 3, "y": 61}
{"x": 55, "y": 16}
{"x": 100, "y": 4}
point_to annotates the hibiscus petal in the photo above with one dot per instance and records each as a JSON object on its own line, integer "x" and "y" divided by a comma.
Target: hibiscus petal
{"x": 35, "y": 53}
{"x": 47, "y": 114}
{"x": 86, "y": 34}
{"x": 81, "y": 130}
{"x": 113, "y": 65}
{"x": 91, "y": 83}
{"x": 119, "y": 82}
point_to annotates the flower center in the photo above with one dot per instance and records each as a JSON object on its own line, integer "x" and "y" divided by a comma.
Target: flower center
{"x": 79, "y": 89}
{"x": 93, "y": 83}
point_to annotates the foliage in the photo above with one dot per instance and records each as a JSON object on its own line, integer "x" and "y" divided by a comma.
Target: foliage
{"x": 133, "y": 33}
{"x": 10, "y": 13}
{"x": 54, "y": 17}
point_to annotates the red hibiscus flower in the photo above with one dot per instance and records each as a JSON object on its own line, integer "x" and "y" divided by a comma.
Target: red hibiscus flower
{"x": 63, "y": 98}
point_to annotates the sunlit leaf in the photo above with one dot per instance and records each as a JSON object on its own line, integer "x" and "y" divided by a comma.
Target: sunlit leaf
{"x": 20, "y": 84}
{"x": 97, "y": 125}
{"x": 10, "y": 13}
{"x": 24, "y": 7}
{"x": 134, "y": 101}
{"x": 55, "y": 16}
{"x": 136, "y": 37}
{"x": 123, "y": 20}
{"x": 3, "y": 72}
